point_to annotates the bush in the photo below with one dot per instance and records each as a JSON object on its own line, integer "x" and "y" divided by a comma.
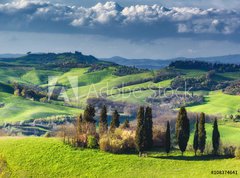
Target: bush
{"x": 43, "y": 100}
{"x": 118, "y": 142}
{"x": 91, "y": 142}
{"x": 237, "y": 153}
{"x": 129, "y": 139}
{"x": 113, "y": 144}
{"x": 229, "y": 151}
{"x": 158, "y": 137}
{"x": 104, "y": 144}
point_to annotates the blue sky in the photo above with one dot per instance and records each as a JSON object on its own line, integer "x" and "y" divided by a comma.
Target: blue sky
{"x": 155, "y": 29}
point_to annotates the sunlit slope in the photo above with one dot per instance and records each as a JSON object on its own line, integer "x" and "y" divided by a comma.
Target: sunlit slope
{"x": 102, "y": 83}
{"x": 18, "y": 109}
{"x": 42, "y": 157}
{"x": 229, "y": 134}
{"x": 218, "y": 103}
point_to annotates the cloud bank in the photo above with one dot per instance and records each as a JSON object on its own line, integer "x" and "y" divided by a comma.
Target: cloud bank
{"x": 110, "y": 19}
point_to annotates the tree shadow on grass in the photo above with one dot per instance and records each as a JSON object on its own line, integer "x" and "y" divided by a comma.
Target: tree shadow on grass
{"x": 192, "y": 158}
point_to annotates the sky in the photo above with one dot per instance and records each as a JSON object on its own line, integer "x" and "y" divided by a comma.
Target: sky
{"x": 155, "y": 29}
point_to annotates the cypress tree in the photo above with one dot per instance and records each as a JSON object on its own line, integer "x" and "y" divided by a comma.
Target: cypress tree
{"x": 115, "y": 121}
{"x": 89, "y": 114}
{"x": 103, "y": 124}
{"x": 195, "y": 141}
{"x": 126, "y": 124}
{"x": 168, "y": 139}
{"x": 215, "y": 137}
{"x": 148, "y": 127}
{"x": 182, "y": 129}
{"x": 139, "y": 136}
{"x": 79, "y": 129}
{"x": 79, "y": 124}
{"x": 202, "y": 133}
{"x": 89, "y": 121}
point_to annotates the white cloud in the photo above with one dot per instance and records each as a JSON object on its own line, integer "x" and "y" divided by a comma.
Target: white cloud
{"x": 110, "y": 19}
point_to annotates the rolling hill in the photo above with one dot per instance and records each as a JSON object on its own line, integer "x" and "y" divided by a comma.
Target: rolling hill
{"x": 44, "y": 157}
{"x": 161, "y": 63}
{"x": 108, "y": 82}
{"x": 52, "y": 58}
{"x": 25, "y": 110}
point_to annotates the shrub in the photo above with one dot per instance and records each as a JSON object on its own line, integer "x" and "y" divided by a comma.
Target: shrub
{"x": 111, "y": 144}
{"x": 208, "y": 149}
{"x": 128, "y": 137}
{"x": 158, "y": 137}
{"x": 104, "y": 143}
{"x": 117, "y": 142}
{"x": 237, "y": 153}
{"x": 92, "y": 142}
{"x": 43, "y": 100}
{"x": 117, "y": 145}
{"x": 229, "y": 151}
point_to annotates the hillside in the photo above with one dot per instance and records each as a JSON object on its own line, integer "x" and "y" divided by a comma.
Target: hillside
{"x": 19, "y": 109}
{"x": 139, "y": 63}
{"x": 26, "y": 111}
{"x": 41, "y": 157}
{"x": 10, "y": 55}
{"x": 161, "y": 63}
{"x": 63, "y": 59}
{"x": 100, "y": 89}
{"x": 217, "y": 102}
{"x": 212, "y": 87}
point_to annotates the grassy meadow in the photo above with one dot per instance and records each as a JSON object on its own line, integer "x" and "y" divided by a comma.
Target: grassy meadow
{"x": 229, "y": 134}
{"x": 49, "y": 157}
{"x": 100, "y": 82}
{"x": 18, "y": 109}
{"x": 217, "y": 102}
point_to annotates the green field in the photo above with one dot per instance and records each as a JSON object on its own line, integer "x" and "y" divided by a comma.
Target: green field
{"x": 90, "y": 85}
{"x": 215, "y": 102}
{"x": 229, "y": 134}
{"x": 43, "y": 157}
{"x": 99, "y": 83}
{"x": 218, "y": 103}
{"x": 18, "y": 109}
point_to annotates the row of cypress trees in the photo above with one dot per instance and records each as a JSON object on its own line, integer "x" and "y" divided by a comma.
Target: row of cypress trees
{"x": 115, "y": 122}
{"x": 88, "y": 119}
{"x": 182, "y": 129}
{"x": 183, "y": 133}
{"x": 144, "y": 134}
{"x": 199, "y": 140}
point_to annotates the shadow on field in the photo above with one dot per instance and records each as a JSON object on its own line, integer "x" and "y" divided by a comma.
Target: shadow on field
{"x": 192, "y": 158}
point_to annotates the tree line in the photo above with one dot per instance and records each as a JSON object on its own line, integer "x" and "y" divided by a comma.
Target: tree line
{"x": 143, "y": 140}
{"x": 203, "y": 65}
{"x": 182, "y": 132}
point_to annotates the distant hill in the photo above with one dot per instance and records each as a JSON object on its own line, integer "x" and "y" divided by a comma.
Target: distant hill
{"x": 161, "y": 63}
{"x": 139, "y": 63}
{"x": 79, "y": 58}
{"x": 10, "y": 55}
{"x": 228, "y": 59}
{"x": 60, "y": 59}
